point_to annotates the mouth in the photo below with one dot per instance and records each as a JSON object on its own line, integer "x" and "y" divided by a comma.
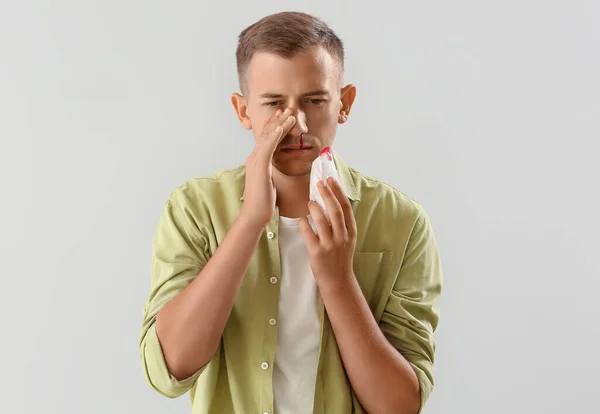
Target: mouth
{"x": 296, "y": 149}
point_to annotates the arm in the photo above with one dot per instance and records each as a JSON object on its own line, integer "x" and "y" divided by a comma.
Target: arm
{"x": 384, "y": 382}
{"x": 191, "y": 298}
{"x": 191, "y": 325}
{"x": 389, "y": 366}
{"x": 411, "y": 315}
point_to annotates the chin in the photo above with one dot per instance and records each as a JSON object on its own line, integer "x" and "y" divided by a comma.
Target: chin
{"x": 294, "y": 169}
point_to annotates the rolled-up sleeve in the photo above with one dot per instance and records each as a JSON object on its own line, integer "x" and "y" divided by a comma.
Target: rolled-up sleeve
{"x": 411, "y": 315}
{"x": 179, "y": 253}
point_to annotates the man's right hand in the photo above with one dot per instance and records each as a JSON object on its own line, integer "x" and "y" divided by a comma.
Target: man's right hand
{"x": 259, "y": 192}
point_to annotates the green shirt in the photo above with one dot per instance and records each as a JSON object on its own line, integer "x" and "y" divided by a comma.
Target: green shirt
{"x": 396, "y": 263}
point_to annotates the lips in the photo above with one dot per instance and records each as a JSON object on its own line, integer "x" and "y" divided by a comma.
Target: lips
{"x": 295, "y": 148}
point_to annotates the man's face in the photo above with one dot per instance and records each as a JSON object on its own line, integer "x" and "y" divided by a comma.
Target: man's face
{"x": 308, "y": 83}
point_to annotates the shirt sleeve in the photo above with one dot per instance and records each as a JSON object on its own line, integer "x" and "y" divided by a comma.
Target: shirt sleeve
{"x": 411, "y": 316}
{"x": 179, "y": 253}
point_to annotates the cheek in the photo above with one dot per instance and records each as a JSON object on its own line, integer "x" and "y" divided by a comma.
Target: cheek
{"x": 324, "y": 117}
{"x": 322, "y": 124}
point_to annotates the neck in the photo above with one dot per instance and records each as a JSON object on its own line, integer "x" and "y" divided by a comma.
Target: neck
{"x": 292, "y": 194}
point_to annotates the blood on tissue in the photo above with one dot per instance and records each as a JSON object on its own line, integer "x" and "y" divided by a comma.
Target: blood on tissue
{"x": 327, "y": 151}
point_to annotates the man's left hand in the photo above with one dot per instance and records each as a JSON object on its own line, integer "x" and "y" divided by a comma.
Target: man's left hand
{"x": 331, "y": 250}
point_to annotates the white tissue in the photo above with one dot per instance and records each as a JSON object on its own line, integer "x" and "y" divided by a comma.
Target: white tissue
{"x": 322, "y": 168}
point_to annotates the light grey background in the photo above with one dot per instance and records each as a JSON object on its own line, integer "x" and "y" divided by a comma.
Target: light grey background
{"x": 485, "y": 112}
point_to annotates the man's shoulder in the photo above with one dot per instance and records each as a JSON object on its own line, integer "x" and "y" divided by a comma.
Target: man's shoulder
{"x": 382, "y": 198}
{"x": 224, "y": 185}
{"x": 385, "y": 216}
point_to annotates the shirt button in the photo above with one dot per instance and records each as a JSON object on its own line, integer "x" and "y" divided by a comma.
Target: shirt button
{"x": 264, "y": 365}
{"x": 270, "y": 235}
{"x": 272, "y": 321}
{"x": 273, "y": 280}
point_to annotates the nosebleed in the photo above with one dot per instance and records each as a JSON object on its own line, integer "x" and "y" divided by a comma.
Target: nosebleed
{"x": 322, "y": 168}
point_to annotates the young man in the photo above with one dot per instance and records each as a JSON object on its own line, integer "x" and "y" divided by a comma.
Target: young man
{"x": 261, "y": 304}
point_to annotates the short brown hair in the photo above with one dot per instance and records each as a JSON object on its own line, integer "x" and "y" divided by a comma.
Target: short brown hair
{"x": 286, "y": 34}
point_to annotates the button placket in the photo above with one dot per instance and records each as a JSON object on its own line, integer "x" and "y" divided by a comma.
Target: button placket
{"x": 271, "y": 309}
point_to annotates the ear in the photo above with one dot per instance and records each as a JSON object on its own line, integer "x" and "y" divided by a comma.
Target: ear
{"x": 347, "y": 97}
{"x": 241, "y": 110}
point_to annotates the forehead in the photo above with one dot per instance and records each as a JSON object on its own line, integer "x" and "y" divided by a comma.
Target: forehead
{"x": 315, "y": 69}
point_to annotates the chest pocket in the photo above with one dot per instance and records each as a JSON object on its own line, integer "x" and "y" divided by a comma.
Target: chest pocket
{"x": 372, "y": 271}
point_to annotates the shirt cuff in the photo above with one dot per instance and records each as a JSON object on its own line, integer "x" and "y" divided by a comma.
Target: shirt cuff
{"x": 425, "y": 385}
{"x": 156, "y": 371}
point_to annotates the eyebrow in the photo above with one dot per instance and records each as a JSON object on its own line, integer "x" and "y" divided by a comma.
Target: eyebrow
{"x": 269, "y": 95}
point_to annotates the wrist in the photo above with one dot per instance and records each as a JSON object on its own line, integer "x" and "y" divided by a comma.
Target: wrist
{"x": 338, "y": 286}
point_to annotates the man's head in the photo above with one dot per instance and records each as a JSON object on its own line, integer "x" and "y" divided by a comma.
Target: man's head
{"x": 293, "y": 60}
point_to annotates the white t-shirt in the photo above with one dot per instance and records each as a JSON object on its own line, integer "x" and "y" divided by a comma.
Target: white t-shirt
{"x": 299, "y": 326}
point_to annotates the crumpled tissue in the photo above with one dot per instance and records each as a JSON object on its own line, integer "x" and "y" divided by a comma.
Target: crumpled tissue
{"x": 322, "y": 168}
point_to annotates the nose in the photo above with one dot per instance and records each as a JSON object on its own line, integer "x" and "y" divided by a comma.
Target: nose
{"x": 299, "y": 127}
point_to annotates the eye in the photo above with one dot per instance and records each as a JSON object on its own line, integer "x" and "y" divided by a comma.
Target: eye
{"x": 273, "y": 103}
{"x": 316, "y": 101}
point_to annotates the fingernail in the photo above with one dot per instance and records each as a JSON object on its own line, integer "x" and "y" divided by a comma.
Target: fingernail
{"x": 321, "y": 184}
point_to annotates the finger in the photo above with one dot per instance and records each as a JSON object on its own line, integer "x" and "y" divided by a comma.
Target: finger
{"x": 280, "y": 131}
{"x": 271, "y": 124}
{"x": 310, "y": 238}
{"x": 336, "y": 215}
{"x": 345, "y": 204}
{"x": 284, "y": 129}
{"x": 321, "y": 223}
{"x": 286, "y": 120}
{"x": 276, "y": 120}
